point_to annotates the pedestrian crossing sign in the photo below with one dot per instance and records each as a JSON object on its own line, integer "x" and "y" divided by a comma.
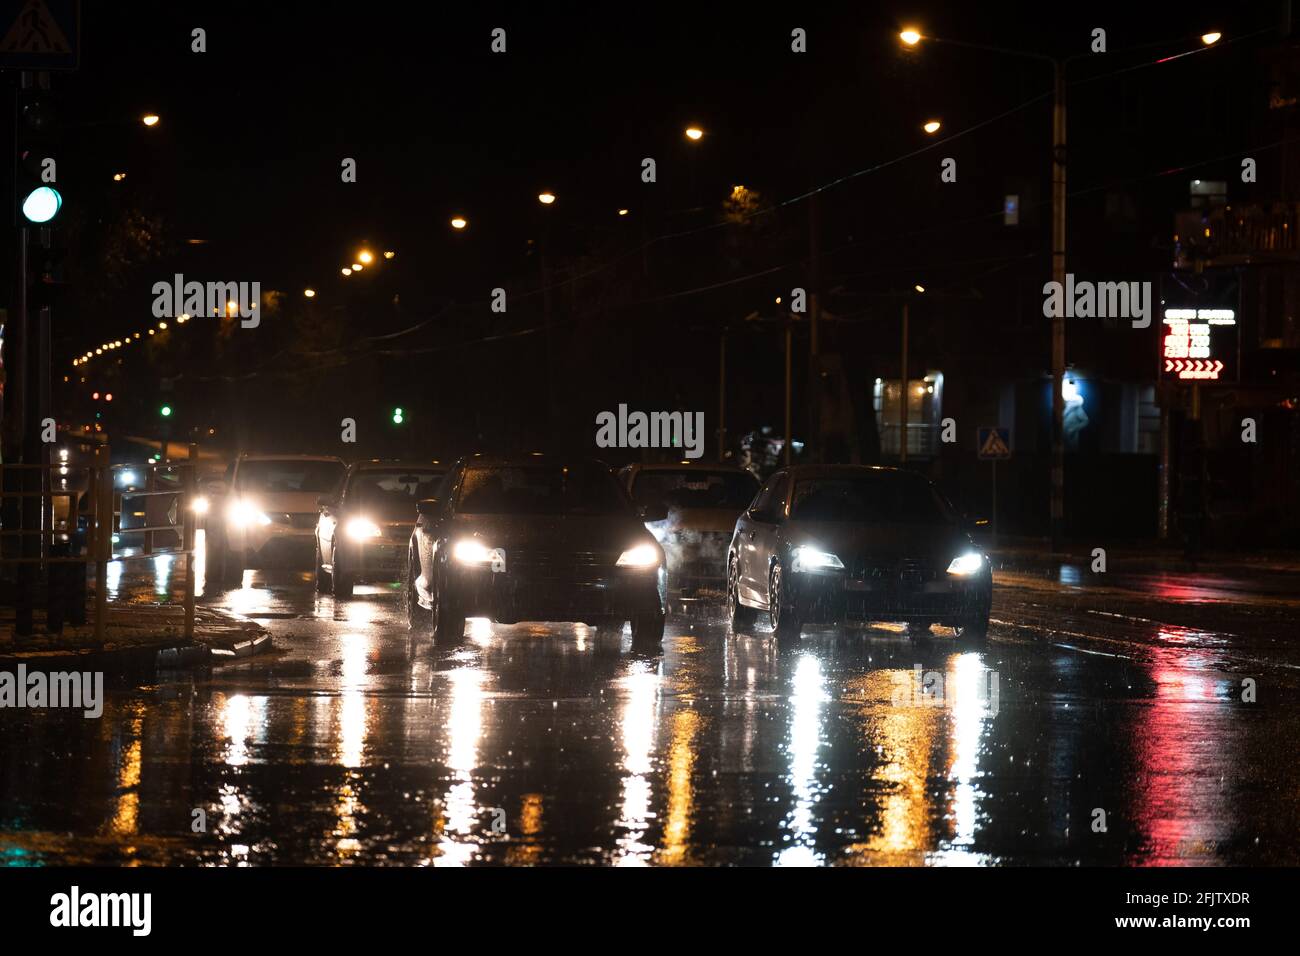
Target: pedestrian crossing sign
{"x": 994, "y": 442}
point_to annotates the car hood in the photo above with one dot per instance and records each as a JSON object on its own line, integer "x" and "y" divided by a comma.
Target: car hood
{"x": 938, "y": 544}
{"x": 293, "y": 502}
{"x": 698, "y": 519}
{"x": 553, "y": 532}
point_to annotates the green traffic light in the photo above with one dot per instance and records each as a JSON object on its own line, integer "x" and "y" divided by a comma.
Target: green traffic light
{"x": 398, "y": 416}
{"x": 165, "y": 411}
{"x": 42, "y": 204}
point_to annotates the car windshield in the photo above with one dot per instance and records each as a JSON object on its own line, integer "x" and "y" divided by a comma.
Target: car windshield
{"x": 691, "y": 488}
{"x": 540, "y": 490}
{"x": 883, "y": 497}
{"x": 286, "y": 477}
{"x": 393, "y": 494}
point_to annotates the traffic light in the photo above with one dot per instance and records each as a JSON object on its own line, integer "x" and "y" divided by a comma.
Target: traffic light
{"x": 165, "y": 411}
{"x": 398, "y": 416}
{"x": 37, "y": 198}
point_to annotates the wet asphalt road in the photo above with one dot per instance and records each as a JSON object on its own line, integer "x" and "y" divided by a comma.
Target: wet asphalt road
{"x": 356, "y": 742}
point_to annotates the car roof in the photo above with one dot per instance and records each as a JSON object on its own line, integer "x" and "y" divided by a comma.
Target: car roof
{"x": 846, "y": 471}
{"x": 291, "y": 458}
{"x": 692, "y": 466}
{"x": 534, "y": 460}
{"x": 395, "y": 464}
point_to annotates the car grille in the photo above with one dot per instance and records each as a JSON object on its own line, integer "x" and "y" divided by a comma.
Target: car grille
{"x": 560, "y": 565}
{"x": 907, "y": 570}
{"x": 299, "y": 520}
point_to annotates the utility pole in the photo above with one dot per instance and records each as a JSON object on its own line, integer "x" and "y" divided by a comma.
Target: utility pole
{"x": 722, "y": 395}
{"x": 902, "y": 395}
{"x": 1057, "y": 525}
{"x": 789, "y": 347}
{"x": 814, "y": 314}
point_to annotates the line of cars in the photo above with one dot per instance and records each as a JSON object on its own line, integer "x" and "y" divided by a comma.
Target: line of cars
{"x": 540, "y": 538}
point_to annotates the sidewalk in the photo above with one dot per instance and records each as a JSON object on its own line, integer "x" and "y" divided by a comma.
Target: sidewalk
{"x": 1147, "y": 556}
{"x": 137, "y": 636}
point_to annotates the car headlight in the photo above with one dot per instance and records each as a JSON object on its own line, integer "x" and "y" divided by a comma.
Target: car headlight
{"x": 811, "y": 559}
{"x": 359, "y": 529}
{"x": 127, "y": 477}
{"x": 476, "y": 553}
{"x": 200, "y": 505}
{"x": 964, "y": 565}
{"x": 640, "y": 556}
{"x": 244, "y": 515}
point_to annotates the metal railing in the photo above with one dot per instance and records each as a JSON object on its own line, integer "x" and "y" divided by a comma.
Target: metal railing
{"x": 104, "y": 522}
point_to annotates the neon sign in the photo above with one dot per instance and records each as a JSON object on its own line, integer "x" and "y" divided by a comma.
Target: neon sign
{"x": 1199, "y": 345}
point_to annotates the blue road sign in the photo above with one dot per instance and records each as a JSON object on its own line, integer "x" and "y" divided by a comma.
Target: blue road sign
{"x": 994, "y": 442}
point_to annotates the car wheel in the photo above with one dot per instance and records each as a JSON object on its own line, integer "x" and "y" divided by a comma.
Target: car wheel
{"x": 417, "y": 618}
{"x": 340, "y": 582}
{"x": 322, "y": 579}
{"x": 448, "y": 622}
{"x": 232, "y": 567}
{"x": 742, "y": 618}
{"x": 648, "y": 629}
{"x": 975, "y": 630}
{"x": 785, "y": 622}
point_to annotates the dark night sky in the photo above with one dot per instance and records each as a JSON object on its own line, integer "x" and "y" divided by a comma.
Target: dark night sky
{"x": 254, "y": 129}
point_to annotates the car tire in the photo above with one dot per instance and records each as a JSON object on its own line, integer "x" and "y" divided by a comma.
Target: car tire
{"x": 448, "y": 621}
{"x": 322, "y": 579}
{"x": 648, "y": 629}
{"x": 975, "y": 629}
{"x": 741, "y": 618}
{"x": 340, "y": 582}
{"x": 232, "y": 567}
{"x": 785, "y": 622}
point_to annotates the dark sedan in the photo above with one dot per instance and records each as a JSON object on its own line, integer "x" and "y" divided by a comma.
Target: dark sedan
{"x": 534, "y": 539}
{"x": 827, "y": 544}
{"x": 362, "y": 533}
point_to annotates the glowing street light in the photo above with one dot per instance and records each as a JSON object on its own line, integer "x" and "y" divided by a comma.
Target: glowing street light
{"x": 694, "y": 133}
{"x": 622, "y": 212}
{"x": 309, "y": 293}
{"x": 919, "y": 288}
{"x": 546, "y": 198}
{"x": 459, "y": 223}
{"x": 910, "y": 36}
{"x": 932, "y": 126}
{"x": 389, "y": 254}
{"x": 118, "y": 177}
{"x": 346, "y": 271}
{"x": 365, "y": 256}
{"x": 357, "y": 267}
{"x": 1211, "y": 38}
{"x": 149, "y": 119}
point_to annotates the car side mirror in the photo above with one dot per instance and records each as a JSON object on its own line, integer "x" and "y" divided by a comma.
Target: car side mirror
{"x": 427, "y": 507}
{"x": 655, "y": 512}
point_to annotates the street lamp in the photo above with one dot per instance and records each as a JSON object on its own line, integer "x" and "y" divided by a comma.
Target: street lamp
{"x": 365, "y": 256}
{"x": 149, "y": 119}
{"x": 932, "y": 126}
{"x": 346, "y": 271}
{"x": 459, "y": 222}
{"x": 910, "y": 36}
{"x": 694, "y": 133}
{"x": 546, "y": 198}
{"x": 309, "y": 293}
{"x": 1211, "y": 38}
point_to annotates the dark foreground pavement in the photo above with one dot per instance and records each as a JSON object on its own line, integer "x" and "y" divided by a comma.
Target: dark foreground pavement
{"x": 1104, "y": 723}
